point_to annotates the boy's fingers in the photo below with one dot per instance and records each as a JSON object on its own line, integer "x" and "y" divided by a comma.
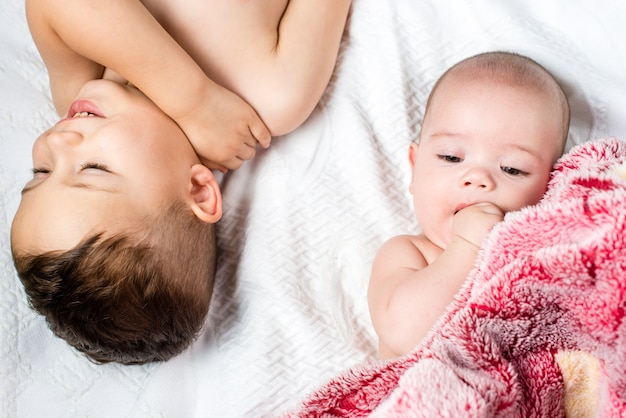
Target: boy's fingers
{"x": 251, "y": 141}
{"x": 260, "y": 132}
{"x": 247, "y": 153}
{"x": 215, "y": 166}
{"x": 233, "y": 163}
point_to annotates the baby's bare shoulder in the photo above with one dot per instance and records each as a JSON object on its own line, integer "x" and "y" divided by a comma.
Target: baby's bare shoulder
{"x": 416, "y": 247}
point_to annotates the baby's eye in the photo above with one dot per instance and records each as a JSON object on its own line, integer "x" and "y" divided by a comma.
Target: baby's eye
{"x": 450, "y": 158}
{"x": 514, "y": 171}
{"x": 94, "y": 166}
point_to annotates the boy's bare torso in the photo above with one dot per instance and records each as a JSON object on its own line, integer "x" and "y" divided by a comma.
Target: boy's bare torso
{"x": 190, "y": 56}
{"x": 217, "y": 34}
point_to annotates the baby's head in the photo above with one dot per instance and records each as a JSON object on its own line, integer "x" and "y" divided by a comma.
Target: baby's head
{"x": 492, "y": 69}
{"x": 493, "y": 128}
{"x": 114, "y": 237}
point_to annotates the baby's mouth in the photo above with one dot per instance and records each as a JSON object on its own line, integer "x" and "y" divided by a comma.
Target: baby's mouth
{"x": 460, "y": 207}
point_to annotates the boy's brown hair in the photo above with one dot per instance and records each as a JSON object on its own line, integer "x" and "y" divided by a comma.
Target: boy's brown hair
{"x": 123, "y": 298}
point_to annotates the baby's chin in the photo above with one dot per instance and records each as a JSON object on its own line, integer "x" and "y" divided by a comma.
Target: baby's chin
{"x": 440, "y": 241}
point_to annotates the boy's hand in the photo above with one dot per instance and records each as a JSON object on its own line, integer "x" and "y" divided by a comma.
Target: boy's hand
{"x": 224, "y": 130}
{"x": 474, "y": 222}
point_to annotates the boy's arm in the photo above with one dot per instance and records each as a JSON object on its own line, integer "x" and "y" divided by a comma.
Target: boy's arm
{"x": 303, "y": 56}
{"x": 68, "y": 70}
{"x": 77, "y": 39}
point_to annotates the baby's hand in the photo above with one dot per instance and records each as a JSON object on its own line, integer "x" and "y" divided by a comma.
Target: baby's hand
{"x": 224, "y": 130}
{"x": 474, "y": 222}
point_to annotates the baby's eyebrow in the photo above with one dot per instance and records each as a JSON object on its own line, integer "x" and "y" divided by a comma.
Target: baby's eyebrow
{"x": 534, "y": 153}
{"x": 446, "y": 134}
{"x": 451, "y": 134}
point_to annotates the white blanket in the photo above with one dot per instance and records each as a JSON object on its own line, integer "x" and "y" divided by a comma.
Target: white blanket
{"x": 301, "y": 222}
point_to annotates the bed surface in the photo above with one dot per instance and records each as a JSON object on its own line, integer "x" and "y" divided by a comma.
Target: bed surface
{"x": 301, "y": 222}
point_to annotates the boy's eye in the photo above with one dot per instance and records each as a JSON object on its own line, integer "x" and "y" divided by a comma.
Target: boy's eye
{"x": 38, "y": 170}
{"x": 514, "y": 171}
{"x": 450, "y": 158}
{"x": 94, "y": 166}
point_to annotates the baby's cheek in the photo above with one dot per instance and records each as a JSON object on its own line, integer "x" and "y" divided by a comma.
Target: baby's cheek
{"x": 521, "y": 198}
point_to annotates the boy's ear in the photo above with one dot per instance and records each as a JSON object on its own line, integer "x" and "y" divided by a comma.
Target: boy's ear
{"x": 206, "y": 197}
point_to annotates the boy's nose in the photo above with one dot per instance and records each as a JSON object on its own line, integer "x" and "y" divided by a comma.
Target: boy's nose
{"x": 478, "y": 178}
{"x": 63, "y": 140}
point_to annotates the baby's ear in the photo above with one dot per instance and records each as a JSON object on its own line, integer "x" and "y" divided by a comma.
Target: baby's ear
{"x": 413, "y": 154}
{"x": 206, "y": 197}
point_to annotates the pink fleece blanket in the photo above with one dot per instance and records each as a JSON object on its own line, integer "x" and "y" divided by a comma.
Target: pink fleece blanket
{"x": 550, "y": 281}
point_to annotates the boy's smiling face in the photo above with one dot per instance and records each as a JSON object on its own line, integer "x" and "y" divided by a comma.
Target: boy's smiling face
{"x": 113, "y": 162}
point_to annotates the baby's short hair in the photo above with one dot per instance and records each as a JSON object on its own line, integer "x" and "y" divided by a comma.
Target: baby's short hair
{"x": 510, "y": 68}
{"x": 125, "y": 297}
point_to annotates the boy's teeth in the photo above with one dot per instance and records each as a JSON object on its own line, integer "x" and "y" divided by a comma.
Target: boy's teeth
{"x": 82, "y": 114}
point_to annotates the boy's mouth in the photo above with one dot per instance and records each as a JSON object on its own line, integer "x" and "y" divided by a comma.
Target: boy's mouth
{"x": 82, "y": 114}
{"x": 83, "y": 108}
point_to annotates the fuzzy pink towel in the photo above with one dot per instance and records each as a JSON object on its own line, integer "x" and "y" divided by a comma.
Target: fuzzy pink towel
{"x": 550, "y": 279}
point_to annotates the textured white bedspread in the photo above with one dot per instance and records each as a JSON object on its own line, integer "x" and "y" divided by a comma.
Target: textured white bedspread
{"x": 301, "y": 222}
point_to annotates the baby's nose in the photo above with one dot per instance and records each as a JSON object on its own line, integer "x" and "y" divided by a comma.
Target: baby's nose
{"x": 478, "y": 178}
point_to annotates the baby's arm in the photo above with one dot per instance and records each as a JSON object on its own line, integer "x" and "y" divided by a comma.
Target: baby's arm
{"x": 77, "y": 39}
{"x": 407, "y": 295}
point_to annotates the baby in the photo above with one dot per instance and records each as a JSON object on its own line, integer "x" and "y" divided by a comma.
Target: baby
{"x": 493, "y": 128}
{"x": 114, "y": 237}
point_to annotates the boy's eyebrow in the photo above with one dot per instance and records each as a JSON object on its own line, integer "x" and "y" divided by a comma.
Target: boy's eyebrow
{"x": 80, "y": 185}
